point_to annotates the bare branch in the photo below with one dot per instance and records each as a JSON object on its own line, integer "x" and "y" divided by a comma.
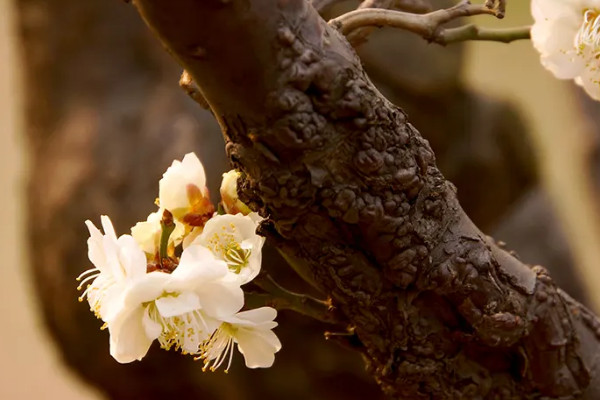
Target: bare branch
{"x": 359, "y": 36}
{"x": 429, "y": 25}
{"x": 474, "y": 32}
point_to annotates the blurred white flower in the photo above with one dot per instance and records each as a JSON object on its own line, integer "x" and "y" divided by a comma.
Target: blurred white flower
{"x": 252, "y": 331}
{"x": 567, "y": 35}
{"x": 229, "y": 196}
{"x": 117, "y": 262}
{"x": 183, "y": 191}
{"x": 233, "y": 239}
{"x": 147, "y": 234}
{"x": 181, "y": 309}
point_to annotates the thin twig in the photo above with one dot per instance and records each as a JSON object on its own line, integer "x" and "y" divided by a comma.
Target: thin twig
{"x": 360, "y": 35}
{"x": 429, "y": 25}
{"x": 474, "y": 32}
{"x": 282, "y": 299}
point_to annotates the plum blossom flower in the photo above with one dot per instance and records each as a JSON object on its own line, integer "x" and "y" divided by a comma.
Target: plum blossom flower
{"x": 252, "y": 332}
{"x": 117, "y": 262}
{"x": 147, "y": 234}
{"x": 229, "y": 196}
{"x": 567, "y": 35}
{"x": 233, "y": 239}
{"x": 183, "y": 191}
{"x": 143, "y": 291}
{"x": 181, "y": 309}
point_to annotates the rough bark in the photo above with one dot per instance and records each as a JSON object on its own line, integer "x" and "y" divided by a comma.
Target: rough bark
{"x": 352, "y": 192}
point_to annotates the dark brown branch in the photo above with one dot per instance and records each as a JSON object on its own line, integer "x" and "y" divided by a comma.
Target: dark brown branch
{"x": 352, "y": 189}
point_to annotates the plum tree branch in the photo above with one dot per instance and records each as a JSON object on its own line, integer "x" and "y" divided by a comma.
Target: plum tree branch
{"x": 351, "y": 189}
{"x": 474, "y": 32}
{"x": 429, "y": 26}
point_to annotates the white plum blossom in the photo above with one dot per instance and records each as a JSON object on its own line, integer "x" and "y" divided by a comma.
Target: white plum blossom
{"x": 233, "y": 239}
{"x": 567, "y": 35}
{"x": 117, "y": 262}
{"x": 147, "y": 234}
{"x": 181, "y": 309}
{"x": 229, "y": 196}
{"x": 145, "y": 289}
{"x": 252, "y": 332}
{"x": 183, "y": 191}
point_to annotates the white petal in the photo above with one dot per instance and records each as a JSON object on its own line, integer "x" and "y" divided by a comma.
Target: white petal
{"x": 111, "y": 254}
{"x": 242, "y": 227}
{"x": 262, "y": 316}
{"x": 131, "y": 257}
{"x": 173, "y": 191}
{"x": 172, "y": 305}
{"x": 258, "y": 346}
{"x": 148, "y": 288}
{"x": 96, "y": 247}
{"x": 147, "y": 234}
{"x": 128, "y": 338}
{"x": 107, "y": 226}
{"x": 196, "y": 266}
{"x": 109, "y": 297}
{"x": 152, "y": 328}
{"x": 221, "y": 299}
{"x": 549, "y": 10}
{"x": 590, "y": 81}
{"x": 194, "y": 169}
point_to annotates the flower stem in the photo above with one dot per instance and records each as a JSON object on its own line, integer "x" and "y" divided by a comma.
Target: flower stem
{"x": 167, "y": 225}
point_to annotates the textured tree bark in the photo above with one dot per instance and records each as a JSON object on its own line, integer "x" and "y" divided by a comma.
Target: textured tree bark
{"x": 352, "y": 191}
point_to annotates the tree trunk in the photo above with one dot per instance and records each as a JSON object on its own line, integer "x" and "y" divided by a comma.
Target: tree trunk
{"x": 353, "y": 195}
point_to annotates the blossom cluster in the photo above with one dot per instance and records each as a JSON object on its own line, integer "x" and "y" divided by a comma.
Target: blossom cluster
{"x": 567, "y": 35}
{"x": 191, "y": 302}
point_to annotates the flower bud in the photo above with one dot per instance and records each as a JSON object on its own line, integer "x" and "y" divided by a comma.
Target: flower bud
{"x": 229, "y": 196}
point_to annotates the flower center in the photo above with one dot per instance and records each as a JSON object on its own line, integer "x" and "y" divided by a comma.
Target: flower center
{"x": 183, "y": 332}
{"x": 588, "y": 35}
{"x": 226, "y": 246}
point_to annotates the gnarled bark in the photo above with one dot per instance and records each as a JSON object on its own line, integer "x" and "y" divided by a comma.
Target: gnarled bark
{"x": 352, "y": 192}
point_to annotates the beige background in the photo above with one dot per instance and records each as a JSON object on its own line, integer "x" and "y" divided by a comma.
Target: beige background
{"x": 30, "y": 367}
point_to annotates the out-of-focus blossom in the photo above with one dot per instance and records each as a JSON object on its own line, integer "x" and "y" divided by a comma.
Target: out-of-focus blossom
{"x": 567, "y": 35}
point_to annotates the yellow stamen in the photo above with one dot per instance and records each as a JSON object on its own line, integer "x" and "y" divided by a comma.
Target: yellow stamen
{"x": 588, "y": 35}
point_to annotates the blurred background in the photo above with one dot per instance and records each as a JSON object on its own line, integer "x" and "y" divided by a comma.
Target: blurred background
{"x": 90, "y": 116}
